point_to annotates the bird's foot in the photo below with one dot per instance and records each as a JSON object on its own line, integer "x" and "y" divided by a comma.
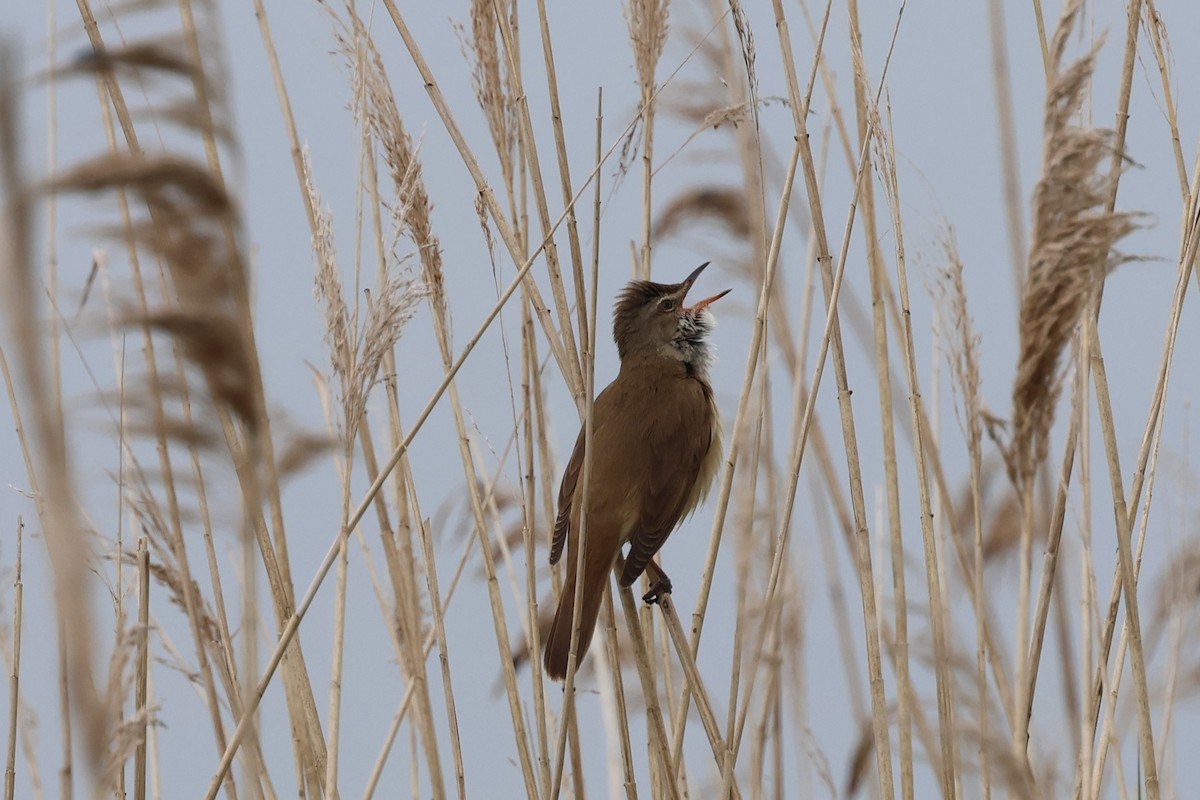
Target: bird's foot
{"x": 661, "y": 586}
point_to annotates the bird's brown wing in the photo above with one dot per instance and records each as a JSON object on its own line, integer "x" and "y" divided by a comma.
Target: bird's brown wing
{"x": 682, "y": 437}
{"x": 566, "y": 494}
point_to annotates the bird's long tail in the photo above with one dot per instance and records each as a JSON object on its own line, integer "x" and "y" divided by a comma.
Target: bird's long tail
{"x": 558, "y": 642}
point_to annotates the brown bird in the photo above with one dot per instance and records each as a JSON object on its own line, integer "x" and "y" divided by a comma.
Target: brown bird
{"x": 657, "y": 445}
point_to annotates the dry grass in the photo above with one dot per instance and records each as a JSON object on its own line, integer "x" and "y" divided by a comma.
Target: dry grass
{"x": 901, "y": 527}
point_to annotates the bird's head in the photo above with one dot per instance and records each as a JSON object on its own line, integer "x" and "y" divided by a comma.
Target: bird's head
{"x": 652, "y": 320}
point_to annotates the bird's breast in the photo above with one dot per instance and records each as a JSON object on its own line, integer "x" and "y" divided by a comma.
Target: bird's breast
{"x": 657, "y": 447}
{"x": 710, "y": 459}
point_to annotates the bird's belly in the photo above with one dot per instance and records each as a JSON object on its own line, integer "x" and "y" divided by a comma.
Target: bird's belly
{"x": 708, "y": 470}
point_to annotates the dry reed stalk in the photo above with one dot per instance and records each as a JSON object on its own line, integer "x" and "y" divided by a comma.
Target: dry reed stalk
{"x": 1006, "y": 123}
{"x": 439, "y": 630}
{"x": 66, "y": 779}
{"x": 386, "y": 534}
{"x": 1175, "y": 609}
{"x": 189, "y": 601}
{"x": 406, "y": 577}
{"x": 292, "y": 624}
{"x": 1128, "y": 573}
{"x": 1150, "y": 437}
{"x": 747, "y": 557}
{"x": 725, "y": 487}
{"x": 963, "y": 355}
{"x": 1071, "y": 253}
{"x": 722, "y": 754}
{"x": 14, "y": 674}
{"x": 23, "y": 442}
{"x": 432, "y": 638}
{"x": 1157, "y": 29}
{"x": 527, "y": 429}
{"x": 1054, "y": 530}
{"x": 744, "y": 554}
{"x": 243, "y": 397}
{"x": 567, "y": 362}
{"x": 51, "y": 208}
{"x": 831, "y": 339}
{"x": 337, "y": 648}
{"x": 848, "y": 297}
{"x": 1040, "y": 19}
{"x": 386, "y": 124}
{"x": 612, "y": 661}
{"x": 532, "y": 168}
{"x": 1088, "y": 608}
{"x": 830, "y": 491}
{"x": 49, "y": 473}
{"x": 142, "y": 666}
{"x": 741, "y": 88}
{"x": 665, "y": 675}
{"x": 869, "y": 121}
{"x": 1073, "y": 221}
{"x": 494, "y": 85}
{"x": 533, "y": 430}
{"x": 591, "y": 313}
{"x": 419, "y": 232}
{"x": 663, "y": 769}
{"x": 564, "y": 174}
{"x": 405, "y": 170}
{"x": 233, "y": 381}
{"x": 187, "y": 430}
{"x": 647, "y": 22}
{"x": 432, "y": 86}
{"x": 1191, "y": 228}
{"x": 727, "y": 475}
{"x": 497, "y": 84}
{"x": 883, "y": 141}
{"x": 356, "y": 358}
{"x": 569, "y": 724}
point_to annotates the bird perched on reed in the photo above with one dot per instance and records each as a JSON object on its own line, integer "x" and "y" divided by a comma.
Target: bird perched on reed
{"x": 656, "y": 445}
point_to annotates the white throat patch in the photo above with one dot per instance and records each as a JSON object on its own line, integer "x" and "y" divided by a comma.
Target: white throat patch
{"x": 689, "y": 345}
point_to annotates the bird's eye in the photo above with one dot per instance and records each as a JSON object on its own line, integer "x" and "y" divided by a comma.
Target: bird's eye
{"x": 666, "y": 304}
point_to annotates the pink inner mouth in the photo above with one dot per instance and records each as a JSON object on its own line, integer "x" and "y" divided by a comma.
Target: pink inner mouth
{"x": 703, "y": 304}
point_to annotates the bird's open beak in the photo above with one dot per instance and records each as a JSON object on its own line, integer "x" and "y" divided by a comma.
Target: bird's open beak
{"x": 701, "y": 305}
{"x": 687, "y": 285}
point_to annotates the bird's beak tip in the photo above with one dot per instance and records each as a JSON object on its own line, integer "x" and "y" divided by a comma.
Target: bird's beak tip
{"x": 690, "y": 279}
{"x": 709, "y": 301}
{"x": 687, "y": 285}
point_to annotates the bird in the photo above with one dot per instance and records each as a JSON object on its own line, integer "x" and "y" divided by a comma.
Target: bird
{"x": 656, "y": 442}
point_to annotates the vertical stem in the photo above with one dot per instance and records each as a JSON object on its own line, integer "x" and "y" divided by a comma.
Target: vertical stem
{"x": 1009, "y": 166}
{"x": 250, "y": 634}
{"x": 142, "y": 668}
{"x": 64, "y": 702}
{"x": 875, "y": 267}
{"x": 1020, "y": 731}
{"x": 1126, "y": 566}
{"x": 647, "y": 173}
{"x": 14, "y": 678}
{"x": 337, "y": 649}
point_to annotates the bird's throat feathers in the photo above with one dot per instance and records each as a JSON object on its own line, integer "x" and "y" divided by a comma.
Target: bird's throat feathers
{"x": 690, "y": 345}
